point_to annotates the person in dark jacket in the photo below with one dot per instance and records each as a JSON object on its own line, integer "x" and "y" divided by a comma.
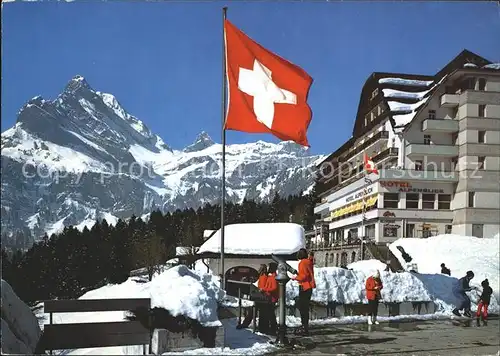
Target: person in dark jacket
{"x": 445, "y": 270}
{"x": 459, "y": 290}
{"x": 249, "y": 315}
{"x": 484, "y": 301}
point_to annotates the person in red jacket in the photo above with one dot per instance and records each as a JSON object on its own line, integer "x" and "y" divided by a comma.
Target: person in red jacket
{"x": 249, "y": 315}
{"x": 305, "y": 277}
{"x": 373, "y": 287}
{"x": 261, "y": 307}
{"x": 261, "y": 283}
{"x": 272, "y": 290}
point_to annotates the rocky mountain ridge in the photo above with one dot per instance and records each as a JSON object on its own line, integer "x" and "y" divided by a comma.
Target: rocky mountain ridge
{"x": 82, "y": 157}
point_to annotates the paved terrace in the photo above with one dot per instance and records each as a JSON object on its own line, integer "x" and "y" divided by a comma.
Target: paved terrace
{"x": 404, "y": 338}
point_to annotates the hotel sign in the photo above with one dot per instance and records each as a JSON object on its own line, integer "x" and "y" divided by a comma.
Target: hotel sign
{"x": 358, "y": 195}
{"x": 403, "y": 186}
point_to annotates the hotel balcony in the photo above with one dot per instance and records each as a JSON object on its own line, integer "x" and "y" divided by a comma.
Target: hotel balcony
{"x": 365, "y": 146}
{"x": 440, "y": 125}
{"x": 450, "y": 100}
{"x": 426, "y": 175}
{"x": 338, "y": 179}
{"x": 415, "y": 150}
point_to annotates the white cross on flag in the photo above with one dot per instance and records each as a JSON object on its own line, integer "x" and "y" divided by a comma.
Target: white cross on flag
{"x": 267, "y": 94}
{"x": 369, "y": 165}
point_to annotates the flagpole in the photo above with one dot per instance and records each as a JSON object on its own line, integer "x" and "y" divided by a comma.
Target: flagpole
{"x": 223, "y": 175}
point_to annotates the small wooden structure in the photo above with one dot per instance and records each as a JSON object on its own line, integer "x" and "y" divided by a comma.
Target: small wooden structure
{"x": 101, "y": 334}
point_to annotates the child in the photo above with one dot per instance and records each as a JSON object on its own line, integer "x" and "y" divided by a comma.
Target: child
{"x": 484, "y": 301}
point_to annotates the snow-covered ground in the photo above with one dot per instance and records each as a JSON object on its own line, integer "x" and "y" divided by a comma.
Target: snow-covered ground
{"x": 197, "y": 294}
{"x": 179, "y": 290}
{"x": 20, "y": 331}
{"x": 344, "y": 286}
{"x": 459, "y": 253}
{"x": 367, "y": 266}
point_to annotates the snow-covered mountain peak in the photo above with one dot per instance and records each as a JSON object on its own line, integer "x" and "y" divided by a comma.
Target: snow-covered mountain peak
{"x": 88, "y": 158}
{"x": 203, "y": 140}
{"x": 76, "y": 83}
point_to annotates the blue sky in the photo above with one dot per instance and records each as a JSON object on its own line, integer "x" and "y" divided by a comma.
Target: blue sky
{"x": 162, "y": 60}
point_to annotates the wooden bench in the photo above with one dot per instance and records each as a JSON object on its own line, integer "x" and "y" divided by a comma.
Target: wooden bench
{"x": 101, "y": 334}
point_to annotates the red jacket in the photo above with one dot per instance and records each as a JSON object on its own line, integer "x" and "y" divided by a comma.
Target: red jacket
{"x": 305, "y": 277}
{"x": 271, "y": 287}
{"x": 371, "y": 292}
{"x": 261, "y": 284}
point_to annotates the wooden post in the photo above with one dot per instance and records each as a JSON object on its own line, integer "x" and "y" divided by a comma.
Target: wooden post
{"x": 51, "y": 323}
{"x": 239, "y": 305}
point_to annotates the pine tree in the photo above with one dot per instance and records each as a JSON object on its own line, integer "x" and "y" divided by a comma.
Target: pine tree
{"x": 150, "y": 253}
{"x": 275, "y": 213}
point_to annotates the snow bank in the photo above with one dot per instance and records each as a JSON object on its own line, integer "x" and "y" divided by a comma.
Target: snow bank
{"x": 20, "y": 329}
{"x": 258, "y": 239}
{"x": 460, "y": 254}
{"x": 367, "y": 266}
{"x": 348, "y": 286}
{"x": 238, "y": 342}
{"x": 179, "y": 290}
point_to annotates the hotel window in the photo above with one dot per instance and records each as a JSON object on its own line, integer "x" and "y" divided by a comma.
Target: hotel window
{"x": 481, "y": 110}
{"x": 472, "y": 195}
{"x": 480, "y": 162}
{"x": 427, "y": 139}
{"x": 481, "y": 84}
{"x": 444, "y": 201}
{"x": 370, "y": 231}
{"x": 391, "y": 200}
{"x": 411, "y": 200}
{"x": 390, "y": 231}
{"x": 419, "y": 165}
{"x": 380, "y": 109}
{"x": 374, "y": 93}
{"x": 447, "y": 229}
{"x": 426, "y": 232}
{"x": 454, "y": 163}
{"x": 410, "y": 230}
{"x": 454, "y": 138}
{"x": 477, "y": 230}
{"x": 432, "y": 114}
{"x": 428, "y": 201}
{"x": 481, "y": 135}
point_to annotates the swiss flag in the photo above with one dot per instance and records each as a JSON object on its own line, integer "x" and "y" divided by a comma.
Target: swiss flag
{"x": 369, "y": 165}
{"x": 267, "y": 94}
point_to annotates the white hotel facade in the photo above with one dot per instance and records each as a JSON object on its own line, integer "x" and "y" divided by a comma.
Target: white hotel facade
{"x": 436, "y": 143}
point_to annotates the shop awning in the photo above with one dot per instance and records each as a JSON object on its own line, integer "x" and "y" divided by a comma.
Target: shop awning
{"x": 356, "y": 206}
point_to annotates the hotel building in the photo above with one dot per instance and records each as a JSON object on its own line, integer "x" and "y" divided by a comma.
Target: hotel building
{"x": 435, "y": 140}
